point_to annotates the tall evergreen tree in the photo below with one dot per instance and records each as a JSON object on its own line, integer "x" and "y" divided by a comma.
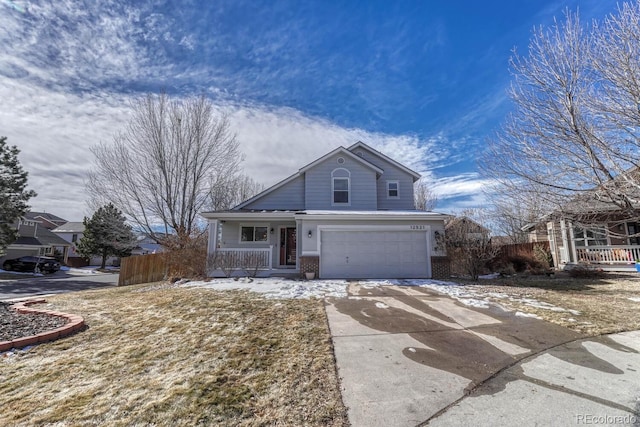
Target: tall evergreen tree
{"x": 106, "y": 233}
{"x": 13, "y": 193}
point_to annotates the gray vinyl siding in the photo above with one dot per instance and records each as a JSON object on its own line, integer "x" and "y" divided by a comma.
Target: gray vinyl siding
{"x": 405, "y": 201}
{"x": 288, "y": 197}
{"x": 318, "y": 193}
{"x": 391, "y": 173}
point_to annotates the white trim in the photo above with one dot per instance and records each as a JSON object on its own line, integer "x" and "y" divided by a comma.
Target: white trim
{"x": 333, "y": 187}
{"x": 257, "y": 215}
{"x": 213, "y": 236}
{"x": 403, "y": 228}
{"x": 279, "y": 243}
{"x": 371, "y": 215}
{"x": 397, "y": 183}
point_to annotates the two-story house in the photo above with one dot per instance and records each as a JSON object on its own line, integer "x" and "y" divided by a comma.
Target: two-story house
{"x": 348, "y": 214}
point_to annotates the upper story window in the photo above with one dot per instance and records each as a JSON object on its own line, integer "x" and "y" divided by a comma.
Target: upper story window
{"x": 340, "y": 187}
{"x": 74, "y": 238}
{"x": 253, "y": 234}
{"x": 393, "y": 190}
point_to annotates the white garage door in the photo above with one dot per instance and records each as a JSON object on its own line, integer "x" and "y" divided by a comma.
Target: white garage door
{"x": 374, "y": 254}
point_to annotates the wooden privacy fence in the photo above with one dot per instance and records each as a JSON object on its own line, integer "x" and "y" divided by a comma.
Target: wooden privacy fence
{"x": 521, "y": 249}
{"x": 142, "y": 269}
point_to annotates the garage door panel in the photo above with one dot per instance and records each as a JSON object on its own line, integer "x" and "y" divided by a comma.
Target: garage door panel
{"x": 369, "y": 254}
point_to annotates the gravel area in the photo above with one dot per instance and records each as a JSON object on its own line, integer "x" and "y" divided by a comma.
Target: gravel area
{"x": 16, "y": 325}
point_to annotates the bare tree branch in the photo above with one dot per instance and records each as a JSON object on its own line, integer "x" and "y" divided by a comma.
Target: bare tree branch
{"x": 158, "y": 171}
{"x": 571, "y": 143}
{"x": 425, "y": 198}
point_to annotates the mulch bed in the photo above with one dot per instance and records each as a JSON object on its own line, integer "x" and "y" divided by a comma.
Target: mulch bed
{"x": 15, "y": 325}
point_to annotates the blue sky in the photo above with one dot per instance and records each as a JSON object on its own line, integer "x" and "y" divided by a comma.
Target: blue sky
{"x": 423, "y": 81}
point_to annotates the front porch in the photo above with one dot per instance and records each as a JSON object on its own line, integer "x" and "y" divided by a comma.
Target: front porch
{"x": 609, "y": 258}
{"x": 253, "y": 262}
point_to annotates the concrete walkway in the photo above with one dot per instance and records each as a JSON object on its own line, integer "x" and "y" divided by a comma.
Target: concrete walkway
{"x": 409, "y": 356}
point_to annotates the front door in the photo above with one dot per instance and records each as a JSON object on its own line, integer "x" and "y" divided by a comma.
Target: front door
{"x": 288, "y": 246}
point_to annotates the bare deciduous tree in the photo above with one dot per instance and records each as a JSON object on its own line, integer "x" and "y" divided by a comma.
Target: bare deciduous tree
{"x": 572, "y": 141}
{"x": 158, "y": 171}
{"x": 425, "y": 198}
{"x": 229, "y": 190}
{"x": 468, "y": 243}
{"x": 510, "y": 213}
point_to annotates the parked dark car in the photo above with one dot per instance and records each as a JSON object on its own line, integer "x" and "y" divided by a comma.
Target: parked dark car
{"x": 32, "y": 263}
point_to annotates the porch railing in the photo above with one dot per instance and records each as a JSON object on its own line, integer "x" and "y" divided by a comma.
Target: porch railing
{"x": 229, "y": 259}
{"x": 608, "y": 254}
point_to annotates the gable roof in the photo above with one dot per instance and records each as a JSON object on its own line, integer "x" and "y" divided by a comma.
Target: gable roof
{"x": 47, "y": 220}
{"x": 34, "y": 235}
{"x": 344, "y": 151}
{"x": 302, "y": 170}
{"x": 360, "y": 144}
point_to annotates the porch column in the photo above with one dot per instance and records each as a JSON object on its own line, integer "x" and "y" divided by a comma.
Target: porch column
{"x": 213, "y": 236}
{"x": 298, "y": 242}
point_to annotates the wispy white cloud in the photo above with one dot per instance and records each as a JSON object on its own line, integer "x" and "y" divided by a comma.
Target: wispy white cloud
{"x": 64, "y": 69}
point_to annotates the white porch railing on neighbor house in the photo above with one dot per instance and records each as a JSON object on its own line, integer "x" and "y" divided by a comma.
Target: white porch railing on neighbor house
{"x": 608, "y": 254}
{"x": 241, "y": 258}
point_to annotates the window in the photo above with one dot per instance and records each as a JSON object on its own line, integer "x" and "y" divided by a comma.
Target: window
{"x": 340, "y": 187}
{"x": 590, "y": 237}
{"x": 633, "y": 228}
{"x": 340, "y": 190}
{"x": 74, "y": 238}
{"x": 393, "y": 189}
{"x": 253, "y": 234}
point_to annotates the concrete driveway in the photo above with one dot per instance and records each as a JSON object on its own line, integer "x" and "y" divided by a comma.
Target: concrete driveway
{"x": 409, "y": 356}
{"x": 59, "y": 282}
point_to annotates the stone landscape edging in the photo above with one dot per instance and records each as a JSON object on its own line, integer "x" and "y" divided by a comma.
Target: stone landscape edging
{"x": 74, "y": 324}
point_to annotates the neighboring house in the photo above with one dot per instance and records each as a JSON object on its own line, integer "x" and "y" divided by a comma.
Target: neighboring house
{"x": 609, "y": 239}
{"x": 536, "y": 231}
{"x": 72, "y": 232}
{"x": 465, "y": 225}
{"x": 34, "y": 238}
{"x": 348, "y": 214}
{"x": 46, "y": 220}
{"x": 146, "y": 245}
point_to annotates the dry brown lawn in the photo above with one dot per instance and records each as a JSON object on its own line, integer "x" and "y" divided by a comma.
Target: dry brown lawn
{"x": 158, "y": 355}
{"x": 605, "y": 305}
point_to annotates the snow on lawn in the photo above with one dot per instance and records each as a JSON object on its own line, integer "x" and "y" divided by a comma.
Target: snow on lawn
{"x": 274, "y": 287}
{"x": 286, "y": 288}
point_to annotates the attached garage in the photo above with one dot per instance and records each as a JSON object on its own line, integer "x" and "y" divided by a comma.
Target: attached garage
{"x": 379, "y": 254}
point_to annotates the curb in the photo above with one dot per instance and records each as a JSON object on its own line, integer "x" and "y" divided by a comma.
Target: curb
{"x": 74, "y": 324}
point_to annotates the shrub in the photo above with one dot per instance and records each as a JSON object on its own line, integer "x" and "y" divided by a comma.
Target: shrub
{"x": 523, "y": 263}
{"x": 507, "y": 270}
{"x": 585, "y": 272}
{"x": 543, "y": 256}
{"x": 187, "y": 258}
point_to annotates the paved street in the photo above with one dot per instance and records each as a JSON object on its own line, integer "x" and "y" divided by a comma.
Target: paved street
{"x": 409, "y": 356}
{"x": 59, "y": 282}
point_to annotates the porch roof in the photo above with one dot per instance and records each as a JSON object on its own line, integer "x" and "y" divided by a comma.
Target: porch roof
{"x": 408, "y": 215}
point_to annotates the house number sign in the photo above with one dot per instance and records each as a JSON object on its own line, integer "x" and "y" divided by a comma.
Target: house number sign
{"x": 418, "y": 227}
